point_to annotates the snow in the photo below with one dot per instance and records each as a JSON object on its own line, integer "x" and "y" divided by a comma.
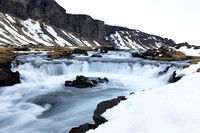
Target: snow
{"x": 34, "y": 29}
{"x": 15, "y": 35}
{"x": 96, "y": 43}
{"x": 119, "y": 41}
{"x": 86, "y": 43}
{"x": 190, "y": 51}
{"x": 58, "y": 40}
{"x": 10, "y": 19}
{"x": 173, "y": 108}
{"x": 158, "y": 45}
{"x": 189, "y": 71}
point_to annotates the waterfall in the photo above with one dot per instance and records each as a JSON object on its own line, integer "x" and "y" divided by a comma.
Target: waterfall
{"x": 42, "y": 104}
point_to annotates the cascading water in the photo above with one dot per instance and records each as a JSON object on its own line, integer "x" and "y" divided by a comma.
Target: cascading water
{"x": 42, "y": 104}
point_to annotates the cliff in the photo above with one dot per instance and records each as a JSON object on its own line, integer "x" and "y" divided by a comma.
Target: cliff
{"x": 49, "y": 12}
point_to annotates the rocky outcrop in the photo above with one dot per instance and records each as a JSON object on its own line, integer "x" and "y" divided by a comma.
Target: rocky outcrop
{"x": 96, "y": 55}
{"x": 95, "y": 32}
{"x": 8, "y": 77}
{"x": 49, "y": 11}
{"x": 59, "y": 54}
{"x": 174, "y": 78}
{"x": 163, "y": 54}
{"x": 82, "y": 128}
{"x": 101, "y": 108}
{"x": 185, "y": 44}
{"x": 84, "y": 82}
{"x": 79, "y": 51}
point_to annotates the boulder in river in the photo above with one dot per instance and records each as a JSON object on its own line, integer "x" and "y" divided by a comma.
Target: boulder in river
{"x": 7, "y": 77}
{"x": 84, "y": 82}
{"x": 174, "y": 78}
{"x": 96, "y": 55}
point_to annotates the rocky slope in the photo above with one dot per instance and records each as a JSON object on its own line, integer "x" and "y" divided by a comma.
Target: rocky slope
{"x": 45, "y": 22}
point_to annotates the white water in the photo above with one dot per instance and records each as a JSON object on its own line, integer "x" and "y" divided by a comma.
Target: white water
{"x": 42, "y": 104}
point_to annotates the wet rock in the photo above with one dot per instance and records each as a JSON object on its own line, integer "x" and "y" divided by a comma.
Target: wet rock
{"x": 79, "y": 51}
{"x": 174, "y": 78}
{"x": 7, "y": 77}
{"x": 96, "y": 55}
{"x": 102, "y": 107}
{"x": 84, "y": 82}
{"x": 82, "y": 128}
{"x": 164, "y": 71}
{"x": 140, "y": 55}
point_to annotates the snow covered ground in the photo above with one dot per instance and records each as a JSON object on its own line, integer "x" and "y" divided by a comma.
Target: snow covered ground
{"x": 190, "y": 51}
{"x": 173, "y": 108}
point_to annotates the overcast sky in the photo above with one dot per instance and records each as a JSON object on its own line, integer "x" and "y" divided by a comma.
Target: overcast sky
{"x": 175, "y": 19}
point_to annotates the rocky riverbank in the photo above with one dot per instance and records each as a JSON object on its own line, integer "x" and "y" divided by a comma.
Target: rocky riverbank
{"x": 98, "y": 119}
{"x": 7, "y": 77}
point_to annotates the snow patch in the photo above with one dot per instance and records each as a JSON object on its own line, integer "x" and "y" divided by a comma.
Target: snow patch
{"x": 190, "y": 51}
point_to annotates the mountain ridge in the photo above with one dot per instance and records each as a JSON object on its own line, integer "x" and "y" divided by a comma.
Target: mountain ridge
{"x": 84, "y": 26}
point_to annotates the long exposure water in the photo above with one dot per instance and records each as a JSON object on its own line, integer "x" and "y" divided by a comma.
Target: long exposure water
{"x": 42, "y": 104}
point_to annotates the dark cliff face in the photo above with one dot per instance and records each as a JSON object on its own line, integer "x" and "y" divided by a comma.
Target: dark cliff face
{"x": 49, "y": 11}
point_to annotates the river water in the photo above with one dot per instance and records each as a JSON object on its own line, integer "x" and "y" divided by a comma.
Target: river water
{"x": 42, "y": 104}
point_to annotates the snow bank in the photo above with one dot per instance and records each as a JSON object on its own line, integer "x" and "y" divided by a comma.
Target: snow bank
{"x": 173, "y": 108}
{"x": 190, "y": 51}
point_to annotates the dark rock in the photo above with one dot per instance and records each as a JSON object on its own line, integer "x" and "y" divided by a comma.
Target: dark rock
{"x": 84, "y": 82}
{"x": 140, "y": 55}
{"x": 82, "y": 128}
{"x": 50, "y": 12}
{"x": 164, "y": 71}
{"x": 103, "y": 51}
{"x": 79, "y": 51}
{"x": 106, "y": 49}
{"x": 59, "y": 54}
{"x": 151, "y": 52}
{"x": 21, "y": 49}
{"x": 102, "y": 107}
{"x": 96, "y": 55}
{"x": 8, "y": 77}
{"x": 132, "y": 93}
{"x": 174, "y": 78}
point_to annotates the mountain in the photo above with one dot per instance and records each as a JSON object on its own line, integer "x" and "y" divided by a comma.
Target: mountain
{"x": 45, "y": 22}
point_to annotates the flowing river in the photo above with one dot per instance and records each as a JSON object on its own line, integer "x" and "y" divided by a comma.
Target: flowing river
{"x": 42, "y": 104}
